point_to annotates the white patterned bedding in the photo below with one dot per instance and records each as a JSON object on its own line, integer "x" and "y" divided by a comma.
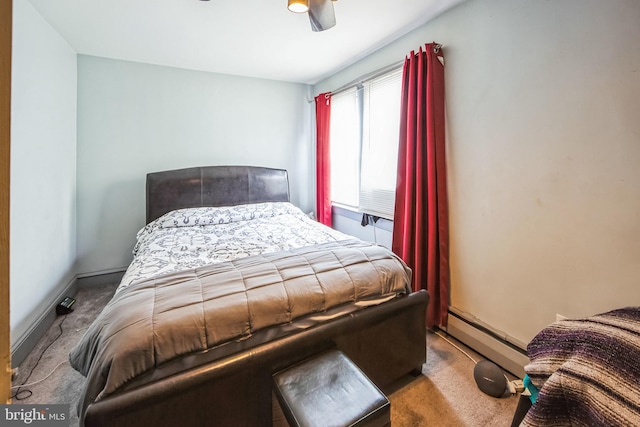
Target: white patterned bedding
{"x": 187, "y": 238}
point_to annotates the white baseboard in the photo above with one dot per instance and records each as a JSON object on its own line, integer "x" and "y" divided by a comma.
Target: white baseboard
{"x": 100, "y": 278}
{"x": 490, "y": 344}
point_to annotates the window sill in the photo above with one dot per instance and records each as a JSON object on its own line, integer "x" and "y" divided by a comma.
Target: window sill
{"x": 355, "y": 215}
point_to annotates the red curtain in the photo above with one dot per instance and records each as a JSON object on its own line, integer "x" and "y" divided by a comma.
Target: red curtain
{"x": 323, "y": 159}
{"x": 421, "y": 226}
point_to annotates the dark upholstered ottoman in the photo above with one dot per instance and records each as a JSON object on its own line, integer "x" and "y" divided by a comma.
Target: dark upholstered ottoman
{"x": 330, "y": 391}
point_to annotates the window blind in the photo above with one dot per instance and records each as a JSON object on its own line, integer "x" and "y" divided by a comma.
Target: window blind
{"x": 345, "y": 147}
{"x": 380, "y": 134}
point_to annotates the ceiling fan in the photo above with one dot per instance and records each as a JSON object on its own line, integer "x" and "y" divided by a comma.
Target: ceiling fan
{"x": 321, "y": 13}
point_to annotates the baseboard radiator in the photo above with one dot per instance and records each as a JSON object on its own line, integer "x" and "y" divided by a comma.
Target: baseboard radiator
{"x": 505, "y": 351}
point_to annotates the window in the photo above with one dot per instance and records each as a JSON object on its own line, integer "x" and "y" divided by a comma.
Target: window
{"x": 365, "y": 123}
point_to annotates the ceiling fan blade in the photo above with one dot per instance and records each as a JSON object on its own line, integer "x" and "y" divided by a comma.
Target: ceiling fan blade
{"x": 321, "y": 15}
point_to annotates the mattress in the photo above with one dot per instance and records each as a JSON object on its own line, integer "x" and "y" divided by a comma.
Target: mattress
{"x": 208, "y": 282}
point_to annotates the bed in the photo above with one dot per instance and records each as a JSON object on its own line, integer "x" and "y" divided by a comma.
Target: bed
{"x": 586, "y": 372}
{"x": 194, "y": 334}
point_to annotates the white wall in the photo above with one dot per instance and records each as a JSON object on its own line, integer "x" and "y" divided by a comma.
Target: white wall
{"x": 136, "y": 118}
{"x": 543, "y": 100}
{"x": 43, "y": 167}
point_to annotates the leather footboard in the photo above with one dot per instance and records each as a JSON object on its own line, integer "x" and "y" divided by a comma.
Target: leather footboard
{"x": 387, "y": 342}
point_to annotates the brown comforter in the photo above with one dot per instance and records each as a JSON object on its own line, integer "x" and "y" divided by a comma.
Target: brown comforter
{"x": 155, "y": 322}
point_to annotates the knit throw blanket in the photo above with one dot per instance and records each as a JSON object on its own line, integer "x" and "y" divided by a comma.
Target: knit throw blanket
{"x": 588, "y": 371}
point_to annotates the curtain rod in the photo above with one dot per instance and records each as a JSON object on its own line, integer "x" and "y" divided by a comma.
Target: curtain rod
{"x": 374, "y": 74}
{"x": 367, "y": 76}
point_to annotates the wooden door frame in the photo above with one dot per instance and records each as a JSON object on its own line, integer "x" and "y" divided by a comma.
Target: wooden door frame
{"x": 6, "y": 17}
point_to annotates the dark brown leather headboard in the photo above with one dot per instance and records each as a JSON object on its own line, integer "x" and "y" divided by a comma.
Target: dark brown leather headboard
{"x": 213, "y": 186}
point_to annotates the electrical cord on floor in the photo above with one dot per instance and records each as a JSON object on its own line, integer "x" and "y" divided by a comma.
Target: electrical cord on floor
{"x": 454, "y": 345}
{"x": 39, "y": 381}
{"x": 20, "y": 394}
{"x": 515, "y": 385}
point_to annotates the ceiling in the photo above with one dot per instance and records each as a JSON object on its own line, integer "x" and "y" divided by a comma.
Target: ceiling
{"x": 253, "y": 38}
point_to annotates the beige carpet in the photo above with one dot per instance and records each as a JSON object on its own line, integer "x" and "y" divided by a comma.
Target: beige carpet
{"x": 444, "y": 395}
